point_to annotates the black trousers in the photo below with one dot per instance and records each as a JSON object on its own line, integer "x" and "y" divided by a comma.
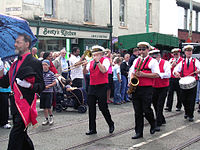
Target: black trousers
{"x": 98, "y": 92}
{"x": 142, "y": 99}
{"x": 174, "y": 86}
{"x": 77, "y": 82}
{"x": 18, "y": 139}
{"x": 188, "y": 99}
{"x": 158, "y": 99}
{"x": 4, "y": 111}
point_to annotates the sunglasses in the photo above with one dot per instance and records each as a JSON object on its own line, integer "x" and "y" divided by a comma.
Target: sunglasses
{"x": 188, "y": 50}
{"x": 175, "y": 54}
{"x": 142, "y": 48}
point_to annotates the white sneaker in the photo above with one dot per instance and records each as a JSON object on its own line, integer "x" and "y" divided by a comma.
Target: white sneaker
{"x": 7, "y": 126}
{"x": 51, "y": 120}
{"x": 45, "y": 122}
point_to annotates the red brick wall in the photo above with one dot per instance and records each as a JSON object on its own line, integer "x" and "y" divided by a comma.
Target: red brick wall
{"x": 183, "y": 35}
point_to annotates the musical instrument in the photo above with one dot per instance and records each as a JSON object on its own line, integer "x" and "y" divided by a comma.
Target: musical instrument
{"x": 187, "y": 82}
{"x": 135, "y": 81}
{"x": 88, "y": 56}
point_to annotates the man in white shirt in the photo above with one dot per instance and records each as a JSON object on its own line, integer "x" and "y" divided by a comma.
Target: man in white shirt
{"x": 188, "y": 67}
{"x": 77, "y": 72}
{"x": 160, "y": 86}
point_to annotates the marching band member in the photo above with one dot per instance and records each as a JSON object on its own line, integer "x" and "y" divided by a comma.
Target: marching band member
{"x": 174, "y": 82}
{"x": 188, "y": 66}
{"x": 142, "y": 97}
{"x": 98, "y": 68}
{"x": 160, "y": 86}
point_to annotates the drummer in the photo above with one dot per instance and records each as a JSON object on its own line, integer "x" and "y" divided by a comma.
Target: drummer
{"x": 188, "y": 67}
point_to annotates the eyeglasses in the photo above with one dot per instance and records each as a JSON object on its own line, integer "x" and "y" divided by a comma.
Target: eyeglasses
{"x": 175, "y": 54}
{"x": 142, "y": 48}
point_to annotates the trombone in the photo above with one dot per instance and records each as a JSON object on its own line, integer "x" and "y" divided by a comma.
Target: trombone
{"x": 88, "y": 57}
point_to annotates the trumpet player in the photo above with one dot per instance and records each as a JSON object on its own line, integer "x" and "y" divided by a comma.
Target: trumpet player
{"x": 174, "y": 82}
{"x": 160, "y": 87}
{"x": 142, "y": 97}
{"x": 188, "y": 67}
{"x": 98, "y": 68}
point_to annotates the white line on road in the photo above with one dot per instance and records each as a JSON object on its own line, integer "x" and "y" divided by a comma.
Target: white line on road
{"x": 161, "y": 136}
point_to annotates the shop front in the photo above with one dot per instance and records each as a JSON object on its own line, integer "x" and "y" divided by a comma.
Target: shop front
{"x": 54, "y": 36}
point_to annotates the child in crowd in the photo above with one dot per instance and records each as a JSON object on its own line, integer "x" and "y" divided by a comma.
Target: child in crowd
{"x": 117, "y": 81}
{"x": 78, "y": 93}
{"x": 47, "y": 95}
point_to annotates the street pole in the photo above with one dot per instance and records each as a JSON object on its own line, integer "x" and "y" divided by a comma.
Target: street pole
{"x": 190, "y": 24}
{"x": 111, "y": 27}
{"x": 147, "y": 16}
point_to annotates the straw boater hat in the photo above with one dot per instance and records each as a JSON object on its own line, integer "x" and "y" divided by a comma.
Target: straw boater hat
{"x": 175, "y": 50}
{"x": 144, "y": 43}
{"x": 97, "y": 49}
{"x": 188, "y": 47}
{"x": 154, "y": 51}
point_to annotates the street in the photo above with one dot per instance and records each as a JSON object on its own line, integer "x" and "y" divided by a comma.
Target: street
{"x": 68, "y": 132}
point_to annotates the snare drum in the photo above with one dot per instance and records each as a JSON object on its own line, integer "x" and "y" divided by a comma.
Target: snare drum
{"x": 187, "y": 82}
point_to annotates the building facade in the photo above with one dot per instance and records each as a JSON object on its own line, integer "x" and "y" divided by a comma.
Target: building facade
{"x": 82, "y": 23}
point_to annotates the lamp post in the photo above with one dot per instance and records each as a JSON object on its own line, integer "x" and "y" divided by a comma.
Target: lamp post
{"x": 147, "y": 16}
{"x": 190, "y": 23}
{"x": 111, "y": 27}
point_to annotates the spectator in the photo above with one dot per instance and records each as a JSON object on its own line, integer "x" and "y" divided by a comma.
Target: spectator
{"x": 52, "y": 68}
{"x": 61, "y": 64}
{"x": 133, "y": 56}
{"x": 47, "y": 95}
{"x": 117, "y": 81}
{"x": 34, "y": 52}
{"x": 124, "y": 67}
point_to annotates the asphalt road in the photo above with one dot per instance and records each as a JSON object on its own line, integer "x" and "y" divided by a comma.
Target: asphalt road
{"x": 68, "y": 132}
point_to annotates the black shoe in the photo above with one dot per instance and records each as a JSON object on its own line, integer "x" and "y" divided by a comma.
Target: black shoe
{"x": 185, "y": 116}
{"x": 91, "y": 132}
{"x": 178, "y": 109}
{"x": 111, "y": 129}
{"x": 152, "y": 130}
{"x": 191, "y": 119}
{"x": 157, "y": 129}
{"x": 166, "y": 108}
{"x": 164, "y": 122}
{"x": 137, "y": 136}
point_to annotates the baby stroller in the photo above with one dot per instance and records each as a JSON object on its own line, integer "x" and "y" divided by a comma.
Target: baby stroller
{"x": 73, "y": 99}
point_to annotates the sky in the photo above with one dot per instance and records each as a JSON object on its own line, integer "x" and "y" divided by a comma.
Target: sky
{"x": 172, "y": 19}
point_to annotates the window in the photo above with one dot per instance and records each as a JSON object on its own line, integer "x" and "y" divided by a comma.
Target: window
{"x": 48, "y": 4}
{"x": 122, "y": 13}
{"x": 88, "y": 11}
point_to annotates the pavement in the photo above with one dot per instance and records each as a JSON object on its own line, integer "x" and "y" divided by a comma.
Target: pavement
{"x": 68, "y": 132}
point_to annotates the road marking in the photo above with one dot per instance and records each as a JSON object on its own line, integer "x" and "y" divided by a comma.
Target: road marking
{"x": 161, "y": 136}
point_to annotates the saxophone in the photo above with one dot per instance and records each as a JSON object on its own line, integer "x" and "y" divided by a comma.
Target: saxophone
{"x": 135, "y": 81}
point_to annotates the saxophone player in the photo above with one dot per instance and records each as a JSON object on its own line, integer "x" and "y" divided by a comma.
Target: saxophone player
{"x": 142, "y": 96}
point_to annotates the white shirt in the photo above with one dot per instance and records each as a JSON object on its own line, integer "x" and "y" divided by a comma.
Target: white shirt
{"x": 178, "y": 67}
{"x": 78, "y": 71}
{"x": 153, "y": 65}
{"x": 106, "y": 64}
{"x": 167, "y": 70}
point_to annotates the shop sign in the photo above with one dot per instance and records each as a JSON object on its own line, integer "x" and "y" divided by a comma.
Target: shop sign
{"x": 13, "y": 7}
{"x": 72, "y": 33}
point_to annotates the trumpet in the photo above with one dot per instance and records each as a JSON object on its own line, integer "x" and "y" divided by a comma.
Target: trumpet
{"x": 135, "y": 81}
